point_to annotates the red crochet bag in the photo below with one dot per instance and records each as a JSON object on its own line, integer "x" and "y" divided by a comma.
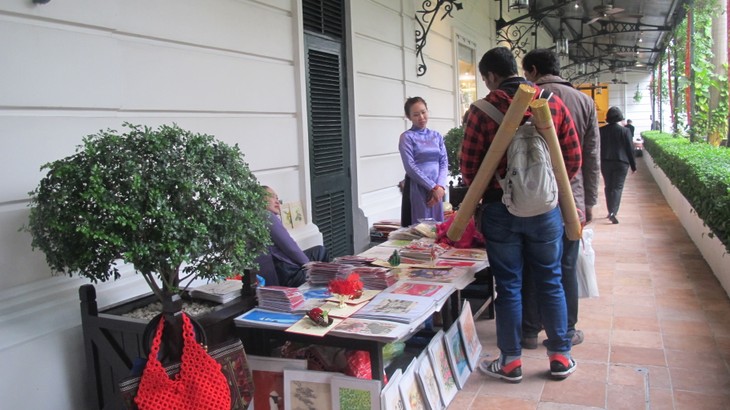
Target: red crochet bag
{"x": 199, "y": 385}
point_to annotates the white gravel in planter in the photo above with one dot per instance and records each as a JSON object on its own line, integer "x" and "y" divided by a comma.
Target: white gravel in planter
{"x": 192, "y": 308}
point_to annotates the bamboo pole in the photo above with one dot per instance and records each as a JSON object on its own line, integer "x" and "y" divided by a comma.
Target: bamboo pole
{"x": 512, "y": 119}
{"x": 543, "y": 121}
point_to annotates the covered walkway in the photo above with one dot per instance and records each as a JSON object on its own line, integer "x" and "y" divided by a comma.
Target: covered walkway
{"x": 658, "y": 336}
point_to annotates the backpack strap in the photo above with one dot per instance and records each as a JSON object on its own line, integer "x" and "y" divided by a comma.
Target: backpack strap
{"x": 490, "y": 110}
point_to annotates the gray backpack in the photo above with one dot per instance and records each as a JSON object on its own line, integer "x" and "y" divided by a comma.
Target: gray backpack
{"x": 529, "y": 184}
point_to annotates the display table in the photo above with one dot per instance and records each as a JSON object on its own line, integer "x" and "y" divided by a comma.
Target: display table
{"x": 258, "y": 340}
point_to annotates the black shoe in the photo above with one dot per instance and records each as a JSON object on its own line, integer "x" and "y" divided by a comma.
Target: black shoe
{"x": 613, "y": 219}
{"x": 561, "y": 366}
{"x": 529, "y": 342}
{"x": 512, "y": 372}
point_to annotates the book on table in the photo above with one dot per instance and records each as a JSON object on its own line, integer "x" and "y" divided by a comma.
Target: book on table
{"x": 398, "y": 308}
{"x": 438, "y": 292}
{"x": 220, "y": 292}
{"x": 380, "y": 330}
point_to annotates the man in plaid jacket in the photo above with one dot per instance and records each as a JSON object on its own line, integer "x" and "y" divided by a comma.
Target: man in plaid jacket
{"x": 514, "y": 243}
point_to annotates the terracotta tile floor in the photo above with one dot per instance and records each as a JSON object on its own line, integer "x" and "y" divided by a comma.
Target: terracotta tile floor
{"x": 658, "y": 336}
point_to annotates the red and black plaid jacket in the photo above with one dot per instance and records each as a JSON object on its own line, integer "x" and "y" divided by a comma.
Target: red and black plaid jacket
{"x": 480, "y": 129}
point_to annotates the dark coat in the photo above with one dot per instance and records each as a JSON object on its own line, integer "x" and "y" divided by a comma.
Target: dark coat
{"x": 617, "y": 145}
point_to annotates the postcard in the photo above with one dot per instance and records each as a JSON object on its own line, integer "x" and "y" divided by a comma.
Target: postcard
{"x": 457, "y": 356}
{"x": 367, "y": 294}
{"x": 307, "y": 389}
{"x": 442, "y": 369}
{"x": 410, "y": 390}
{"x": 268, "y": 377}
{"x": 305, "y": 326}
{"x": 334, "y": 309}
{"x": 469, "y": 336}
{"x": 297, "y": 214}
{"x": 390, "y": 397}
{"x": 351, "y": 393}
{"x": 286, "y": 217}
{"x": 427, "y": 378}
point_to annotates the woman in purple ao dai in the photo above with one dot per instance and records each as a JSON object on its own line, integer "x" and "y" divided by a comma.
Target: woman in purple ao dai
{"x": 424, "y": 158}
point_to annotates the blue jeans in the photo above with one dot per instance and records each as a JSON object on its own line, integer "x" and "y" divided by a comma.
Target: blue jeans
{"x": 531, "y": 323}
{"x": 513, "y": 242}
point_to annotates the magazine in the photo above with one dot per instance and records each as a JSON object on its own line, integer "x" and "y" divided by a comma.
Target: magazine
{"x": 258, "y": 317}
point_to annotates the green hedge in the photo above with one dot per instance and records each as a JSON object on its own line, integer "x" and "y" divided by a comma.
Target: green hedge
{"x": 701, "y": 173}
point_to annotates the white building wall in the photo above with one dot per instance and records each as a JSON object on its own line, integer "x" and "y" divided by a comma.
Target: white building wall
{"x": 384, "y": 76}
{"x": 230, "y": 68}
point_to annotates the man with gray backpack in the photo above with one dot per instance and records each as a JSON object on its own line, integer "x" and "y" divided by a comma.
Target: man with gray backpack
{"x": 515, "y": 241}
{"x": 542, "y": 67}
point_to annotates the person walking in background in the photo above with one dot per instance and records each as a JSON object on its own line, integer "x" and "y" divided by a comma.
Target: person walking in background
{"x": 423, "y": 153}
{"x": 516, "y": 243}
{"x": 631, "y": 127}
{"x": 285, "y": 261}
{"x": 617, "y": 155}
{"x": 542, "y": 67}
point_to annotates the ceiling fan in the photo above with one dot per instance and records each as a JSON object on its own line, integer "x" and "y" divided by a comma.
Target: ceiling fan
{"x": 617, "y": 81}
{"x": 603, "y": 11}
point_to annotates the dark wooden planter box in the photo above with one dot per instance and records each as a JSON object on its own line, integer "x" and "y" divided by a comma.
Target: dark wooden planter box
{"x": 457, "y": 194}
{"x": 112, "y": 342}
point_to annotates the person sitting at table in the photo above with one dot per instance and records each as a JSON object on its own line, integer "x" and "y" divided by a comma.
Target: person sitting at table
{"x": 284, "y": 263}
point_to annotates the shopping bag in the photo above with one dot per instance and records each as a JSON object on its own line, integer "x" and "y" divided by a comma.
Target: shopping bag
{"x": 586, "y": 267}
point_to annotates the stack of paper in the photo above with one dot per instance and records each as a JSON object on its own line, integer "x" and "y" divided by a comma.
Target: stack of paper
{"x": 321, "y": 273}
{"x": 220, "y": 292}
{"x": 279, "y": 298}
{"x": 375, "y": 278}
{"x": 354, "y": 260}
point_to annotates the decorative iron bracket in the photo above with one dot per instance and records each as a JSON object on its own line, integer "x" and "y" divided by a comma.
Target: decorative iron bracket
{"x": 424, "y": 18}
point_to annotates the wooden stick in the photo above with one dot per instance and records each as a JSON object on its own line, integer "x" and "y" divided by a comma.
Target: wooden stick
{"x": 512, "y": 119}
{"x": 543, "y": 121}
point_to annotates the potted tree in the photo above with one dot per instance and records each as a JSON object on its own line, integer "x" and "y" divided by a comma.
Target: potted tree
{"x": 452, "y": 141}
{"x": 173, "y": 204}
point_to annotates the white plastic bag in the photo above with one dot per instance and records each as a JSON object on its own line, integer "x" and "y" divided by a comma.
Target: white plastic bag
{"x": 586, "y": 267}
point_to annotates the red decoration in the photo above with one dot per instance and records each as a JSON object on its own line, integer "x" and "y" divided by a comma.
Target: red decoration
{"x": 351, "y": 286}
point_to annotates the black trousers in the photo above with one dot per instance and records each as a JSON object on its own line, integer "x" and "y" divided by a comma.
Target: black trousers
{"x": 614, "y": 174}
{"x": 294, "y": 275}
{"x": 531, "y": 323}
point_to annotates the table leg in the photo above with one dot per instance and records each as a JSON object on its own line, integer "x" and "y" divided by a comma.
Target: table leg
{"x": 376, "y": 361}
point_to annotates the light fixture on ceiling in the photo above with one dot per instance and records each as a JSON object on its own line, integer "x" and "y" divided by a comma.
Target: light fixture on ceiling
{"x": 576, "y": 5}
{"x": 518, "y": 4}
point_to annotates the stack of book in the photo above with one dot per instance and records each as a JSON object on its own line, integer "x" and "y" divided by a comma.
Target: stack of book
{"x": 382, "y": 228}
{"x": 423, "y": 250}
{"x": 417, "y": 231}
{"x": 354, "y": 260}
{"x": 375, "y": 278}
{"x": 279, "y": 298}
{"x": 321, "y": 273}
{"x": 219, "y": 292}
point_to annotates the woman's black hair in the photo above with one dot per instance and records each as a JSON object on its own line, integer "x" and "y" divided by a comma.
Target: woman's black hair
{"x": 411, "y": 102}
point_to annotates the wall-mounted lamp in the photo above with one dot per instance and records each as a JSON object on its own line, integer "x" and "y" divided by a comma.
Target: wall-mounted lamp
{"x": 518, "y": 4}
{"x": 561, "y": 46}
